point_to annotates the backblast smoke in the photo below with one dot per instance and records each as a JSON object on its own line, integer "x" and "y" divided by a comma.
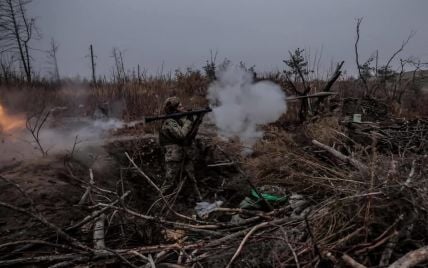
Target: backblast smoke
{"x": 241, "y": 106}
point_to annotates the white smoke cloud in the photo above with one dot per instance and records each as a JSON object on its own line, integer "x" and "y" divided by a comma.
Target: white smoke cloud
{"x": 64, "y": 130}
{"x": 241, "y": 105}
{"x": 79, "y": 133}
{"x": 83, "y": 131}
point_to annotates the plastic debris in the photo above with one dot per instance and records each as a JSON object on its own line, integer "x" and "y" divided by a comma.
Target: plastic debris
{"x": 203, "y": 209}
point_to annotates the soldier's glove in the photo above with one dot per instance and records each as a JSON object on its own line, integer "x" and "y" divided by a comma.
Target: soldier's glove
{"x": 191, "y": 117}
{"x": 186, "y": 122}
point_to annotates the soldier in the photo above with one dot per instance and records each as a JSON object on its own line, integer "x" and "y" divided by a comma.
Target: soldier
{"x": 176, "y": 139}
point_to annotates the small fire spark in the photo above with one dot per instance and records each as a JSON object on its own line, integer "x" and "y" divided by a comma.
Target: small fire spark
{"x": 9, "y": 123}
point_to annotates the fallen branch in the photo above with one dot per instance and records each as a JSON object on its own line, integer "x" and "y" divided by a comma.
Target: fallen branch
{"x": 357, "y": 164}
{"x": 351, "y": 262}
{"x": 315, "y": 95}
{"x": 99, "y": 232}
{"x": 96, "y": 213}
{"x": 412, "y": 258}
{"x": 225, "y": 164}
{"x": 88, "y": 188}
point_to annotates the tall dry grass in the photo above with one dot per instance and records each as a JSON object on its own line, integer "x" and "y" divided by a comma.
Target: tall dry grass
{"x": 135, "y": 98}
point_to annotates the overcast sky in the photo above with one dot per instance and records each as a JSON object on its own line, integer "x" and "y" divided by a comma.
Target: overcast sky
{"x": 180, "y": 33}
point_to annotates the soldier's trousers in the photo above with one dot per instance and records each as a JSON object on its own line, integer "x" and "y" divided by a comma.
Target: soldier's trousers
{"x": 180, "y": 167}
{"x": 174, "y": 171}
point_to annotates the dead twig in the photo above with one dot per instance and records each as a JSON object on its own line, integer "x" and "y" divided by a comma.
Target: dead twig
{"x": 34, "y": 128}
{"x": 296, "y": 259}
{"x": 247, "y": 236}
{"x": 247, "y": 233}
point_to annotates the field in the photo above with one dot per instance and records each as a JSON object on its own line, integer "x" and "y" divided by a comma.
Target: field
{"x": 80, "y": 185}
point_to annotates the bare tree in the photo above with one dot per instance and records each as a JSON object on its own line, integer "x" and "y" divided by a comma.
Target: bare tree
{"x": 359, "y": 66}
{"x": 298, "y": 78}
{"x": 119, "y": 73}
{"x": 386, "y": 77}
{"x": 16, "y": 32}
{"x": 52, "y": 54}
{"x": 400, "y": 49}
{"x": 6, "y": 67}
{"x": 210, "y": 66}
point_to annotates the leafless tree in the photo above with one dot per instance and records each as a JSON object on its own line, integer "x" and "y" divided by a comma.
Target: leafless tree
{"x": 119, "y": 73}
{"x": 359, "y": 66}
{"x": 16, "y": 32}
{"x": 417, "y": 65}
{"x": 298, "y": 78}
{"x": 34, "y": 125}
{"x": 52, "y": 54}
{"x": 385, "y": 77}
{"x": 210, "y": 66}
{"x": 7, "y": 71}
{"x": 399, "y": 50}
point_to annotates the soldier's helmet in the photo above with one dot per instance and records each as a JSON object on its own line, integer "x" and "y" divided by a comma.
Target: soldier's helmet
{"x": 171, "y": 104}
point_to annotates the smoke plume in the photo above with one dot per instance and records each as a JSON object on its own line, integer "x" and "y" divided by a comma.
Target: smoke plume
{"x": 83, "y": 131}
{"x": 241, "y": 106}
{"x": 63, "y": 131}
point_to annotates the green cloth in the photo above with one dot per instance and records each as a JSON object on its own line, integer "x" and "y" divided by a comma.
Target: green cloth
{"x": 255, "y": 202}
{"x": 269, "y": 197}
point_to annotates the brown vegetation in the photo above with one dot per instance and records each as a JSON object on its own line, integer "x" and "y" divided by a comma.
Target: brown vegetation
{"x": 356, "y": 191}
{"x": 363, "y": 183}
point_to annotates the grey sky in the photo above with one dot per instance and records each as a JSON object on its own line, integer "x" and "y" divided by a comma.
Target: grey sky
{"x": 180, "y": 33}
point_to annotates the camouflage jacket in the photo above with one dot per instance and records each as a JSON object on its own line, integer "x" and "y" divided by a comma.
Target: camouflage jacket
{"x": 171, "y": 137}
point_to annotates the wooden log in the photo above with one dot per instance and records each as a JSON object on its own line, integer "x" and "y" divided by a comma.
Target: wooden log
{"x": 354, "y": 162}
{"x": 99, "y": 233}
{"x": 412, "y": 258}
{"x": 315, "y": 95}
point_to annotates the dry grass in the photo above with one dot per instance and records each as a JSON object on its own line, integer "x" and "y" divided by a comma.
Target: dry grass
{"x": 326, "y": 130}
{"x": 353, "y": 212}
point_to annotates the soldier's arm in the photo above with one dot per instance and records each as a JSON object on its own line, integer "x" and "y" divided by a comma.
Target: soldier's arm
{"x": 176, "y": 131}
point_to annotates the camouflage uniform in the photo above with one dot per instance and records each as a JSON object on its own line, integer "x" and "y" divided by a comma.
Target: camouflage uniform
{"x": 178, "y": 157}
